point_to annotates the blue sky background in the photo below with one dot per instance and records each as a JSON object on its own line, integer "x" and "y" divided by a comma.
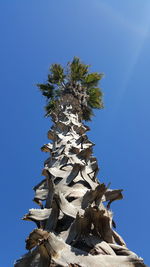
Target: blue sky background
{"x": 111, "y": 35}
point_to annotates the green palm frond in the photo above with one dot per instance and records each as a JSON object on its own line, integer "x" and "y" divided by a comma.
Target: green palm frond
{"x": 95, "y": 98}
{"x": 56, "y": 75}
{"x": 78, "y": 70}
{"x": 92, "y": 79}
{"x": 87, "y": 113}
{"x": 49, "y": 107}
{"x": 46, "y": 89}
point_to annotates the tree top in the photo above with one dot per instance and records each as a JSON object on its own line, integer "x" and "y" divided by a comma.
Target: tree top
{"x": 73, "y": 79}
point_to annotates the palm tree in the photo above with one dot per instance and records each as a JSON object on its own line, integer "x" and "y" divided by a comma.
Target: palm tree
{"x": 75, "y": 225}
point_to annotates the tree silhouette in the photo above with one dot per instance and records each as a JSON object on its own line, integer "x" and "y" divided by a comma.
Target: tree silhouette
{"x": 75, "y": 225}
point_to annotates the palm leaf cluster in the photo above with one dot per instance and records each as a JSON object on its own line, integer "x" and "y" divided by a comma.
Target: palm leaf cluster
{"x": 74, "y": 79}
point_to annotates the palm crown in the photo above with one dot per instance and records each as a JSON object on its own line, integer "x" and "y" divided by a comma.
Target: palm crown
{"x": 74, "y": 79}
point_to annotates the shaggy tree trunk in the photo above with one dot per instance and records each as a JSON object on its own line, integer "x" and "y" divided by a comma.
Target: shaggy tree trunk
{"x": 74, "y": 222}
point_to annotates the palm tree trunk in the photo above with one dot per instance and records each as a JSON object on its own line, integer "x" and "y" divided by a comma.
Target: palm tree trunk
{"x": 75, "y": 225}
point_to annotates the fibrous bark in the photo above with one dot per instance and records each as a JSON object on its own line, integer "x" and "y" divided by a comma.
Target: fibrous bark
{"x": 75, "y": 225}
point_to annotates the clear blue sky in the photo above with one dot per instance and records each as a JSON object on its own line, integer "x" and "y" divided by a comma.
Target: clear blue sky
{"x": 111, "y": 35}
